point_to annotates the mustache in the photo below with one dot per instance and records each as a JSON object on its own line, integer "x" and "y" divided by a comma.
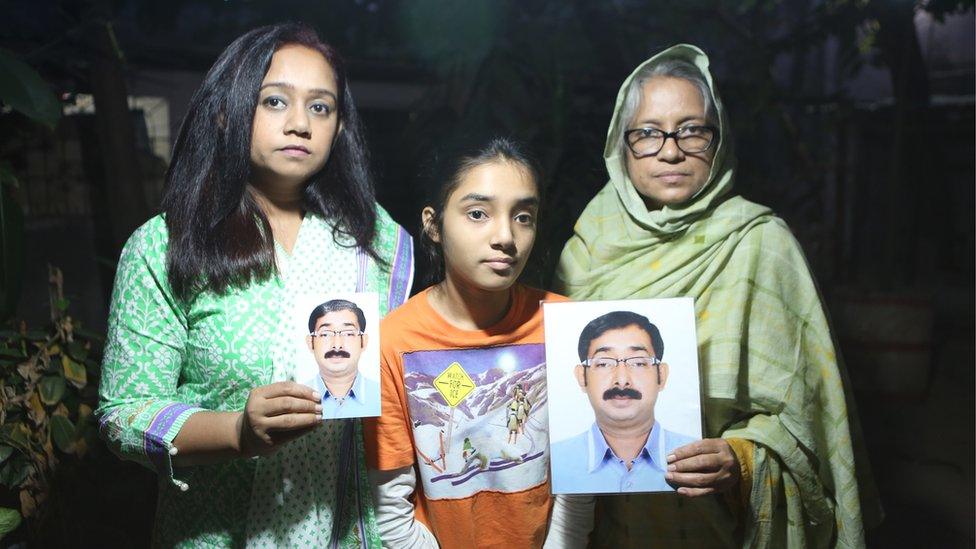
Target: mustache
{"x": 336, "y": 353}
{"x": 626, "y": 392}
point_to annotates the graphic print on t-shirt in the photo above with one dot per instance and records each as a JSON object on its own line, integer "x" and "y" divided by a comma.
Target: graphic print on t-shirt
{"x": 479, "y": 418}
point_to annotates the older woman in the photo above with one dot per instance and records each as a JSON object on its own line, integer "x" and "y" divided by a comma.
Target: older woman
{"x": 777, "y": 467}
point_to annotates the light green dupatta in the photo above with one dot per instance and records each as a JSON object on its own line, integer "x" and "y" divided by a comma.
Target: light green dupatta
{"x": 769, "y": 370}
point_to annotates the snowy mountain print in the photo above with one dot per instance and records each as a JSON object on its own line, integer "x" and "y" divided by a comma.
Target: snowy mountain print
{"x": 495, "y": 438}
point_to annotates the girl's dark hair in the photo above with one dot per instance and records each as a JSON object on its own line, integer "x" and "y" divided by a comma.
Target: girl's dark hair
{"x": 218, "y": 236}
{"x": 443, "y": 173}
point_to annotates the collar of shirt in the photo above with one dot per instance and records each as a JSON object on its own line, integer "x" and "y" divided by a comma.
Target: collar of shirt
{"x": 355, "y": 392}
{"x": 600, "y": 452}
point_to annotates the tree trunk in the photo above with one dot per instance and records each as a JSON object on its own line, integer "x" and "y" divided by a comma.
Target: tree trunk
{"x": 903, "y": 55}
{"x": 124, "y": 200}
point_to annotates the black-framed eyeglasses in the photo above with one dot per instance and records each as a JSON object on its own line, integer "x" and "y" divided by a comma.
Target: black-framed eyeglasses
{"x": 608, "y": 363}
{"x": 341, "y": 334}
{"x": 690, "y": 139}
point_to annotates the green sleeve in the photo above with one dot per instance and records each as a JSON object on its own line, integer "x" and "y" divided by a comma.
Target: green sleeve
{"x": 139, "y": 410}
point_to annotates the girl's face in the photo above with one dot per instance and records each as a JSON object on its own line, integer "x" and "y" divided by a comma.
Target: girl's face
{"x": 489, "y": 225}
{"x": 296, "y": 120}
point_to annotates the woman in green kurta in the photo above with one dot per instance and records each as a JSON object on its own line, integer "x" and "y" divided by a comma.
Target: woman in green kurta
{"x": 268, "y": 197}
{"x": 782, "y": 463}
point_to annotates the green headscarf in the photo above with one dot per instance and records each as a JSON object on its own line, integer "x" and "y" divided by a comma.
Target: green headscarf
{"x": 768, "y": 365}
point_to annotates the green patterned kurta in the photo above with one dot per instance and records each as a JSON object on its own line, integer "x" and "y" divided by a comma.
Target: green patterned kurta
{"x": 166, "y": 359}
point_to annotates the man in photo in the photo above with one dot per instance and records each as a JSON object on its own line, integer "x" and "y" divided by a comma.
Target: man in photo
{"x": 337, "y": 338}
{"x": 621, "y": 372}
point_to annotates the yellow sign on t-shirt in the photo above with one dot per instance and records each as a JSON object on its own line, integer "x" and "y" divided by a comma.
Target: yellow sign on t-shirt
{"x": 454, "y": 384}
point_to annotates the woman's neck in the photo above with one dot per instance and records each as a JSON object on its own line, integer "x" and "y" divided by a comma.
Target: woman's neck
{"x": 278, "y": 200}
{"x": 283, "y": 207}
{"x": 469, "y": 308}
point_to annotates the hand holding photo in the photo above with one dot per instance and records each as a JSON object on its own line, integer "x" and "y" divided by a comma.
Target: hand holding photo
{"x": 618, "y": 407}
{"x": 337, "y": 353}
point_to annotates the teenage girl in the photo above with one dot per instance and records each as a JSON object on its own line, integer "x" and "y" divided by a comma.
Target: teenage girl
{"x": 455, "y": 357}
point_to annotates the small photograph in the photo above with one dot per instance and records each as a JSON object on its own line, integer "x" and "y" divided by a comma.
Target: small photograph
{"x": 624, "y": 392}
{"x": 337, "y": 352}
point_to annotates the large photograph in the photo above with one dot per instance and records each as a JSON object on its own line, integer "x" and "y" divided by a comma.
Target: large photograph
{"x": 336, "y": 346}
{"x": 623, "y": 392}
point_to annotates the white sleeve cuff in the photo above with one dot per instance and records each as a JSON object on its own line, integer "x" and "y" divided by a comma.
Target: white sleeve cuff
{"x": 571, "y": 522}
{"x": 395, "y": 512}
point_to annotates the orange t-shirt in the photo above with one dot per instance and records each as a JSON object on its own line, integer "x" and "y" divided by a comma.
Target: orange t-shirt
{"x": 468, "y": 410}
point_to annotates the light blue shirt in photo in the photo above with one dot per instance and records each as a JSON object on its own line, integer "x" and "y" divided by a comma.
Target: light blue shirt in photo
{"x": 363, "y": 399}
{"x": 585, "y": 464}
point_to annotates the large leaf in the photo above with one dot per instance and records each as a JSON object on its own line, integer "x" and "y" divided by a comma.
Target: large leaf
{"x": 16, "y": 434}
{"x": 63, "y": 433}
{"x": 11, "y": 247}
{"x": 5, "y": 452}
{"x": 14, "y": 471}
{"x": 74, "y": 372}
{"x": 26, "y": 92}
{"x": 9, "y": 520}
{"x": 40, "y": 414}
{"x": 52, "y": 389}
{"x": 77, "y": 349}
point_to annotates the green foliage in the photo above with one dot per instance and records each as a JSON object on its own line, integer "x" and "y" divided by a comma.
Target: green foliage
{"x": 46, "y": 399}
{"x": 51, "y": 389}
{"x": 63, "y": 433}
{"x": 14, "y": 472}
{"x": 9, "y": 520}
{"x": 26, "y": 92}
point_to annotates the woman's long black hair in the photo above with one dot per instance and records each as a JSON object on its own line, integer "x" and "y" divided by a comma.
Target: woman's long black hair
{"x": 218, "y": 236}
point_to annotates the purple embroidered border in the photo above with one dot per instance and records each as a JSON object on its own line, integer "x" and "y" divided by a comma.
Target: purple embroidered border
{"x": 156, "y": 451}
{"x": 401, "y": 274}
{"x": 105, "y": 421}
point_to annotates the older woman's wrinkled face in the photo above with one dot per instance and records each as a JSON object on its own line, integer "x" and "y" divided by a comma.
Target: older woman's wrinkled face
{"x": 672, "y": 176}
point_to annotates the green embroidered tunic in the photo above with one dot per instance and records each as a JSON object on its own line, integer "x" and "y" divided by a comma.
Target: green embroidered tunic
{"x": 166, "y": 359}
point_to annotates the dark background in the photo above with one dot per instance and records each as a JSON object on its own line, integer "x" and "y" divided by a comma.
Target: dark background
{"x": 853, "y": 119}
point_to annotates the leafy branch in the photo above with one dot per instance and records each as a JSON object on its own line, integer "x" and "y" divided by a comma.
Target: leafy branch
{"x": 47, "y": 395}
